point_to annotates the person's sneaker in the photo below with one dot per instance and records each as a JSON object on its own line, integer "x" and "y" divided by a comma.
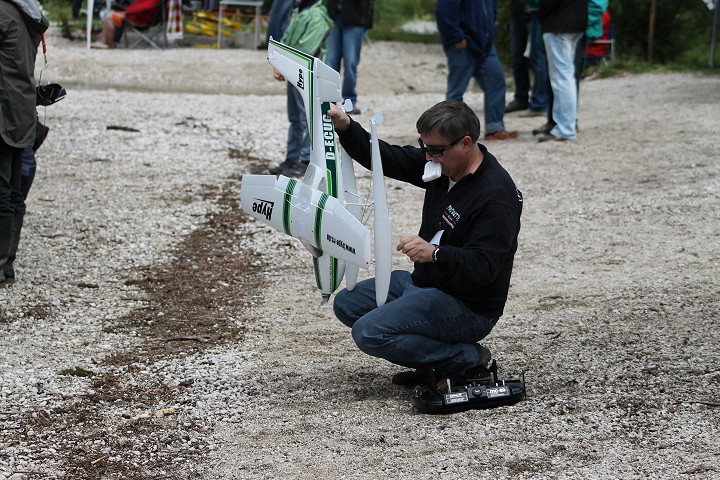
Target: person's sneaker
{"x": 502, "y": 135}
{"x": 411, "y": 378}
{"x": 297, "y": 169}
{"x": 533, "y": 113}
{"x": 7, "y": 278}
{"x": 546, "y": 137}
{"x": 480, "y": 370}
{"x": 515, "y": 106}
{"x": 278, "y": 169}
{"x": 355, "y": 111}
{"x": 544, "y": 129}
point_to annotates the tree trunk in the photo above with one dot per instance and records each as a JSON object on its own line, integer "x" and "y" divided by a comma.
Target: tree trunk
{"x": 651, "y": 30}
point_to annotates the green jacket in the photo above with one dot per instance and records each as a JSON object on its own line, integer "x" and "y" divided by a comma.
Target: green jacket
{"x": 308, "y": 29}
{"x": 596, "y": 8}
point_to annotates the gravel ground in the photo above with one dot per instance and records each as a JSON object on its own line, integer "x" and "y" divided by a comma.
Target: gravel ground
{"x": 155, "y": 331}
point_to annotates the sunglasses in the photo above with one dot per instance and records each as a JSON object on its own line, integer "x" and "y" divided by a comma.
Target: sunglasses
{"x": 436, "y": 152}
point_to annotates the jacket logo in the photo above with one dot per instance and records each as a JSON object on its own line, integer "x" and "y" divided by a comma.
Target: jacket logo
{"x": 301, "y": 81}
{"x": 451, "y": 216}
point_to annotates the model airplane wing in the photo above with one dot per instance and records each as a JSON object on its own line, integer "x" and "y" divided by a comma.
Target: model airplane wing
{"x": 320, "y": 220}
{"x": 382, "y": 220}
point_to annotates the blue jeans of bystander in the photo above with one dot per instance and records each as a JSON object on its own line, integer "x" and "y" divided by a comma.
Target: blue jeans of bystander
{"x": 278, "y": 19}
{"x": 416, "y": 327}
{"x": 298, "y": 141}
{"x": 560, "y": 49}
{"x": 464, "y": 65}
{"x": 344, "y": 44}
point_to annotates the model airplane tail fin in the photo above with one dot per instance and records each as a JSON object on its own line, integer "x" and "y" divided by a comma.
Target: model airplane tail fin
{"x": 328, "y": 83}
{"x": 299, "y": 69}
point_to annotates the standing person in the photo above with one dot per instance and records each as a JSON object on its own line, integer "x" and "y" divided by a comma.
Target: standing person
{"x": 278, "y": 19}
{"x": 141, "y": 12}
{"x": 352, "y": 18}
{"x": 22, "y": 25}
{"x": 563, "y": 23}
{"x": 467, "y": 30}
{"x": 463, "y": 252}
{"x": 524, "y": 35}
{"x": 307, "y": 31}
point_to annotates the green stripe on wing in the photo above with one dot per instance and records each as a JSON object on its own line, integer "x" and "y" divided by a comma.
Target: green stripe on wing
{"x": 287, "y": 199}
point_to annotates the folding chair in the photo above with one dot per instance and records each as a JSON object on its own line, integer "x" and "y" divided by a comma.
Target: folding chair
{"x": 610, "y": 40}
{"x": 146, "y": 23}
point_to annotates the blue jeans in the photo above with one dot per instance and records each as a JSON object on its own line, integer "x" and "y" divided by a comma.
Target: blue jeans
{"x": 488, "y": 73}
{"x": 344, "y": 44}
{"x": 560, "y": 49}
{"x": 522, "y": 29}
{"x": 278, "y": 19}
{"x": 298, "y": 142}
{"x": 416, "y": 327}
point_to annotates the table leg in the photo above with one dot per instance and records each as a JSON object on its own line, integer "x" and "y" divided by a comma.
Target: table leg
{"x": 220, "y": 15}
{"x": 257, "y": 26}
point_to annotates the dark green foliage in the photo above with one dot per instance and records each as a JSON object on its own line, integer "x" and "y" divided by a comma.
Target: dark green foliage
{"x": 681, "y": 27}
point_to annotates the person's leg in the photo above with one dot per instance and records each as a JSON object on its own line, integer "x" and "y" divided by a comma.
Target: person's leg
{"x": 461, "y": 67}
{"x": 298, "y": 144}
{"x": 112, "y": 28}
{"x": 352, "y": 40}
{"x": 29, "y": 165}
{"x": 278, "y": 19}
{"x": 349, "y": 306}
{"x": 518, "y": 43}
{"x": 491, "y": 78}
{"x": 424, "y": 328}
{"x": 579, "y": 62}
{"x": 12, "y": 204}
{"x": 76, "y": 6}
{"x": 334, "y": 46}
{"x": 560, "y": 49}
{"x": 538, "y": 60}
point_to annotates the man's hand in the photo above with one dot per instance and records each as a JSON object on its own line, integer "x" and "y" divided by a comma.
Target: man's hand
{"x": 417, "y": 249}
{"x": 461, "y": 44}
{"x": 278, "y": 76}
{"x": 341, "y": 120}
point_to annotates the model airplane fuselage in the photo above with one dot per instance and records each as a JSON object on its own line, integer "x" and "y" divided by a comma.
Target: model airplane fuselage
{"x": 315, "y": 209}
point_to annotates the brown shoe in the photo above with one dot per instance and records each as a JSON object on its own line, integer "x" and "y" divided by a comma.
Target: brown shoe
{"x": 502, "y": 135}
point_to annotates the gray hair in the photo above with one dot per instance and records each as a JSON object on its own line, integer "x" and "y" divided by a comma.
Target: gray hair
{"x": 451, "y": 119}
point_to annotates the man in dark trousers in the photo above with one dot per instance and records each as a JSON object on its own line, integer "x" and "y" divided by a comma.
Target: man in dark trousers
{"x": 463, "y": 253}
{"x": 21, "y": 27}
{"x": 525, "y": 40}
{"x": 467, "y": 30}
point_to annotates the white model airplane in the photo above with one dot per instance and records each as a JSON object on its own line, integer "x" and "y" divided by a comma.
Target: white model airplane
{"x": 315, "y": 210}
